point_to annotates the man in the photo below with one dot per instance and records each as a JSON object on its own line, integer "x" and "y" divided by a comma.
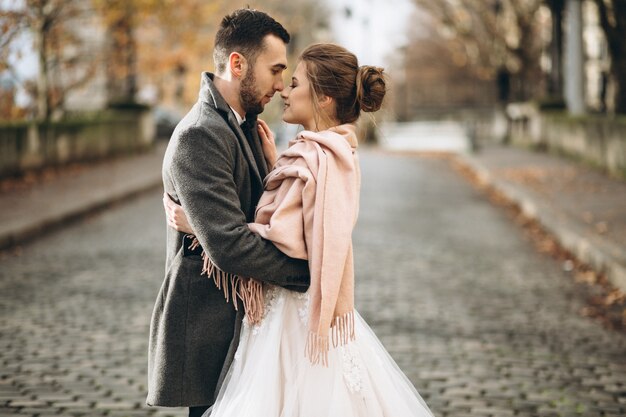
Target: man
{"x": 215, "y": 171}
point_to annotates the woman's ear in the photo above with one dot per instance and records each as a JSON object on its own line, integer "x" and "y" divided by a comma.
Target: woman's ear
{"x": 325, "y": 102}
{"x": 237, "y": 64}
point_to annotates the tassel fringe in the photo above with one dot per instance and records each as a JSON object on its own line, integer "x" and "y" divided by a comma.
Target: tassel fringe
{"x": 248, "y": 290}
{"x": 342, "y": 332}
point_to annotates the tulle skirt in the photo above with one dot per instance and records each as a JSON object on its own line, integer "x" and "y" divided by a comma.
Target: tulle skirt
{"x": 271, "y": 376}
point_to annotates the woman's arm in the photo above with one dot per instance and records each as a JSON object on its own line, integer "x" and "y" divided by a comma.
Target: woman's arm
{"x": 202, "y": 170}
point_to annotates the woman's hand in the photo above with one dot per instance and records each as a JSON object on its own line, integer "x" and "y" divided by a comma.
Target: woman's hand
{"x": 269, "y": 145}
{"x": 176, "y": 217}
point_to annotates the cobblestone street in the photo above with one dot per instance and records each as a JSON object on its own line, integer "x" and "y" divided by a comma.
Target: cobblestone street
{"x": 479, "y": 321}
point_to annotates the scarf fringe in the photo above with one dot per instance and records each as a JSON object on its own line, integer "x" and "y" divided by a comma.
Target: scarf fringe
{"x": 248, "y": 290}
{"x": 342, "y": 332}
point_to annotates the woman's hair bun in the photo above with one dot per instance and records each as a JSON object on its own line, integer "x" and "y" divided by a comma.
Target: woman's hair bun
{"x": 370, "y": 88}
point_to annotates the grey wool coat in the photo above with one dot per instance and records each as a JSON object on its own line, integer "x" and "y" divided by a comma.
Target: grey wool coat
{"x": 211, "y": 169}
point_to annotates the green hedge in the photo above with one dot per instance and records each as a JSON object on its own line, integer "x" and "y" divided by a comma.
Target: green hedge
{"x": 31, "y": 145}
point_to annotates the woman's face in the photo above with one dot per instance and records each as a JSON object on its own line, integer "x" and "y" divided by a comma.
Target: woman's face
{"x": 297, "y": 97}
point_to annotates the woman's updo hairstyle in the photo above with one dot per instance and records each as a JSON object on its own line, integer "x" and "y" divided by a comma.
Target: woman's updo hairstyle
{"x": 334, "y": 71}
{"x": 370, "y": 88}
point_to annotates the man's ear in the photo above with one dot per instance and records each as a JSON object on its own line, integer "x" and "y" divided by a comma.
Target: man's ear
{"x": 237, "y": 64}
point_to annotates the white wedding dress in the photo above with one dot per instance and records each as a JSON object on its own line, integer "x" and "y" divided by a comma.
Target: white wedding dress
{"x": 271, "y": 376}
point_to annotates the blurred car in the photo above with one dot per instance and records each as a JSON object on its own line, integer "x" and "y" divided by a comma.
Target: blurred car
{"x": 166, "y": 121}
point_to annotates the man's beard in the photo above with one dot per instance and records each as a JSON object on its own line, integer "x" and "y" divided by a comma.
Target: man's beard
{"x": 249, "y": 95}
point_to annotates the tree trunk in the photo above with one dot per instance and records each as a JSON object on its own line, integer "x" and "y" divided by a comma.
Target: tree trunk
{"x": 613, "y": 21}
{"x": 528, "y": 54}
{"x": 618, "y": 55}
{"x": 122, "y": 71}
{"x": 43, "y": 95}
{"x": 618, "y": 68}
{"x": 555, "y": 85}
{"x": 529, "y": 73}
{"x": 131, "y": 58}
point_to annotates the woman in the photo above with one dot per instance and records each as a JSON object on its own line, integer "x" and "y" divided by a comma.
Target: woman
{"x": 312, "y": 355}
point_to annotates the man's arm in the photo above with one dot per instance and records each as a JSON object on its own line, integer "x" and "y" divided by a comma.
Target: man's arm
{"x": 202, "y": 170}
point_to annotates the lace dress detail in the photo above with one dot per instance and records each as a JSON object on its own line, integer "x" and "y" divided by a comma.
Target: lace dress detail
{"x": 303, "y": 310}
{"x": 351, "y": 369}
{"x": 272, "y": 299}
{"x": 271, "y": 302}
{"x": 272, "y": 377}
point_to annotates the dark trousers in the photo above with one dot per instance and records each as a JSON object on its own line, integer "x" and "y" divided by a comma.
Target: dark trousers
{"x": 197, "y": 411}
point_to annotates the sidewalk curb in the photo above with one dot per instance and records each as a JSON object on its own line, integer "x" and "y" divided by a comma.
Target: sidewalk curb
{"x": 601, "y": 255}
{"x": 22, "y": 234}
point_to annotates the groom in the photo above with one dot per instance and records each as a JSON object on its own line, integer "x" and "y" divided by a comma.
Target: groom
{"x": 214, "y": 168}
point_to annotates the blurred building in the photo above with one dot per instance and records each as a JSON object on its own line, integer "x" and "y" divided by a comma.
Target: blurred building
{"x": 374, "y": 30}
{"x": 585, "y": 60}
{"x": 436, "y": 77}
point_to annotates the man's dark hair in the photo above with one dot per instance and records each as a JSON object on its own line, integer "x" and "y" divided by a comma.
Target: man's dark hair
{"x": 243, "y": 31}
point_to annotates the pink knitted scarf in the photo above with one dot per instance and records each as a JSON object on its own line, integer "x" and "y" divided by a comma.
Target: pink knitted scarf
{"x": 308, "y": 210}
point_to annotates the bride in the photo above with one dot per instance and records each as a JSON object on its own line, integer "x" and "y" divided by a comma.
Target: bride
{"x": 312, "y": 355}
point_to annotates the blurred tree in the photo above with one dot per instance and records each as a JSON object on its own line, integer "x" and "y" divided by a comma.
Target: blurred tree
{"x": 11, "y": 25}
{"x": 154, "y": 39}
{"x": 57, "y": 47}
{"x": 613, "y": 21}
{"x": 176, "y": 44}
{"x": 495, "y": 36}
{"x": 437, "y": 77}
{"x": 155, "y": 42}
{"x": 159, "y": 44}
{"x": 174, "y": 39}
{"x": 121, "y": 51}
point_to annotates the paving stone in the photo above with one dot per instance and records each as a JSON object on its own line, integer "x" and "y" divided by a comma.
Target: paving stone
{"x": 481, "y": 323}
{"x": 71, "y": 404}
{"x": 116, "y": 406}
{"x": 38, "y": 411}
{"x": 169, "y": 412}
{"x": 27, "y": 403}
{"x": 129, "y": 413}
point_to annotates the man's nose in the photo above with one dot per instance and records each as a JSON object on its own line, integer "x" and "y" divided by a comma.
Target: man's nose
{"x": 279, "y": 86}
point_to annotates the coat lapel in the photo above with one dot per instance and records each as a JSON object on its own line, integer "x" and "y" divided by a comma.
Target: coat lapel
{"x": 210, "y": 95}
{"x": 247, "y": 150}
{"x": 255, "y": 144}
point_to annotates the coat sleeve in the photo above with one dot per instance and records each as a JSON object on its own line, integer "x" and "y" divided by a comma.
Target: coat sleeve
{"x": 202, "y": 171}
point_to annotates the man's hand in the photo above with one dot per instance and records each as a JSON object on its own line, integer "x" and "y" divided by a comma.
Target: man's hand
{"x": 176, "y": 217}
{"x": 269, "y": 145}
